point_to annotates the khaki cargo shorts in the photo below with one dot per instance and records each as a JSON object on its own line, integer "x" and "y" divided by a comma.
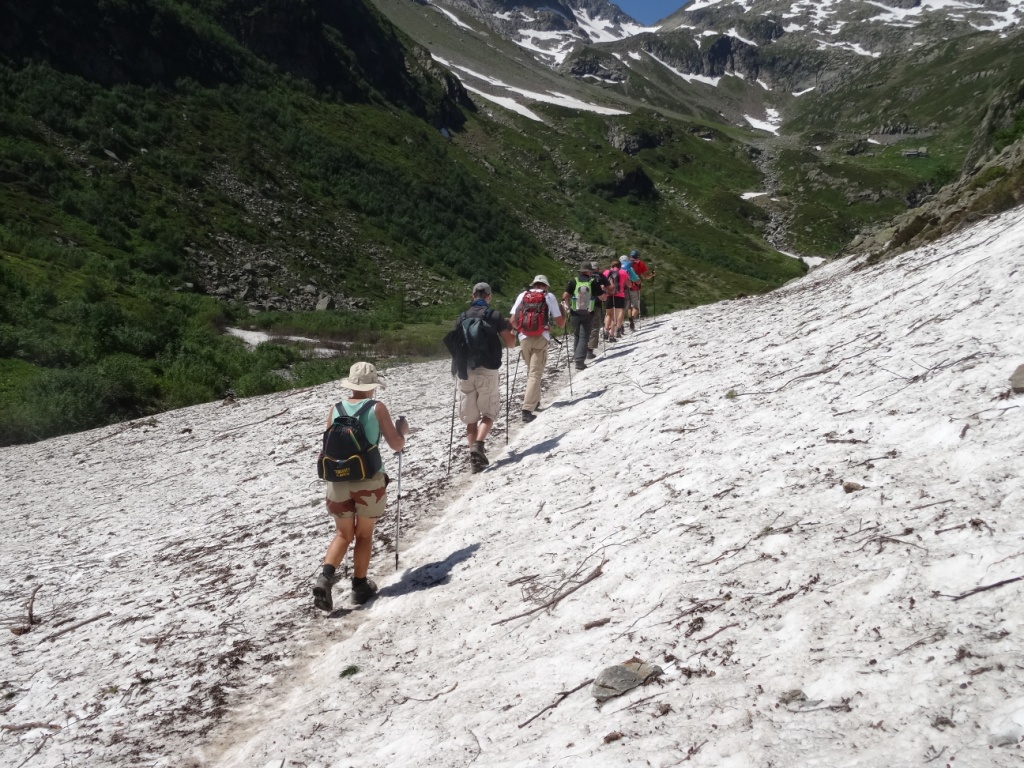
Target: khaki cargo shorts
{"x": 633, "y": 298}
{"x": 369, "y": 496}
{"x": 479, "y": 396}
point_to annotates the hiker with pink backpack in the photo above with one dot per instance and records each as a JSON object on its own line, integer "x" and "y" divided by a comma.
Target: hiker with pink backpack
{"x": 532, "y": 313}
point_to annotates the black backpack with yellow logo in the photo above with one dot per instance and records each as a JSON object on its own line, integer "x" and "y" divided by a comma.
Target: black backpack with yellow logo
{"x": 347, "y": 454}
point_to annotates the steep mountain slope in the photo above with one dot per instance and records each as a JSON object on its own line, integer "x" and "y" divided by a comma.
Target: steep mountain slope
{"x": 803, "y": 506}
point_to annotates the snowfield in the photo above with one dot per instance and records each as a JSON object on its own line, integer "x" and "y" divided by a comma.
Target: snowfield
{"x": 804, "y": 507}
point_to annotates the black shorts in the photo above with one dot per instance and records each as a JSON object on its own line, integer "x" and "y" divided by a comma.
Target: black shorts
{"x": 616, "y": 302}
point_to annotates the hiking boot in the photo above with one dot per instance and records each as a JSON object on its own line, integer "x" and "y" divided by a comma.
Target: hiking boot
{"x": 528, "y": 417}
{"x": 478, "y": 451}
{"x": 580, "y": 365}
{"x": 363, "y": 590}
{"x": 474, "y": 464}
{"x": 322, "y": 593}
{"x": 631, "y": 326}
{"x": 590, "y": 354}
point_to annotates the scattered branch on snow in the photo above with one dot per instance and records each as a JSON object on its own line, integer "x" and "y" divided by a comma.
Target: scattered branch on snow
{"x": 932, "y": 504}
{"x": 559, "y": 596}
{"x": 30, "y": 727}
{"x": 646, "y": 485}
{"x": 860, "y": 529}
{"x": 988, "y": 410}
{"x": 435, "y": 697}
{"x": 882, "y": 539}
{"x": 596, "y": 623}
{"x": 720, "y": 629}
{"x": 73, "y": 627}
{"x": 985, "y": 588}
{"x": 934, "y": 637}
{"x": 562, "y": 696}
{"x": 795, "y": 378}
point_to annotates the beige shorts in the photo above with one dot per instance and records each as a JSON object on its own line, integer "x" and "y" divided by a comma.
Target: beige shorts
{"x": 479, "y": 396}
{"x": 369, "y": 496}
{"x": 632, "y": 298}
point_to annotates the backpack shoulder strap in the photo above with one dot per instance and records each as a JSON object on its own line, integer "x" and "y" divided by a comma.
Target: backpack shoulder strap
{"x": 364, "y": 407}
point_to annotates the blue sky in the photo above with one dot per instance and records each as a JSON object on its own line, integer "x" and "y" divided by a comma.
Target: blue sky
{"x": 649, "y": 11}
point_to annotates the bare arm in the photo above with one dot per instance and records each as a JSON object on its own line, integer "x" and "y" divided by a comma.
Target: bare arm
{"x": 388, "y": 430}
{"x": 509, "y": 338}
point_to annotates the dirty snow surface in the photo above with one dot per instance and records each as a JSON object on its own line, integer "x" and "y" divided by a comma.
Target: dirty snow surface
{"x": 682, "y": 505}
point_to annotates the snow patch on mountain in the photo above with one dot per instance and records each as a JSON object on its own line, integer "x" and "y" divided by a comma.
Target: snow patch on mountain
{"x": 550, "y": 97}
{"x": 684, "y": 75}
{"x": 452, "y": 17}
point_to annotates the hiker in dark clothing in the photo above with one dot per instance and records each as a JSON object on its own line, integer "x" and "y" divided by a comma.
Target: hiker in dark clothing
{"x": 479, "y": 392}
{"x": 355, "y": 505}
{"x": 580, "y": 299}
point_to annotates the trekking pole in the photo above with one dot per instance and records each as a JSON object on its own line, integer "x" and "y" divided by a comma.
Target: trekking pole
{"x": 398, "y": 508}
{"x": 515, "y": 376}
{"x": 506, "y": 396}
{"x": 451, "y": 435}
{"x": 568, "y": 367}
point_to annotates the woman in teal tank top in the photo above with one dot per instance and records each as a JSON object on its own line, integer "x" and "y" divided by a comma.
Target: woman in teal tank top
{"x": 355, "y": 505}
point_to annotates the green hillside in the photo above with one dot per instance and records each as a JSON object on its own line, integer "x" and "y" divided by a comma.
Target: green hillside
{"x": 172, "y": 168}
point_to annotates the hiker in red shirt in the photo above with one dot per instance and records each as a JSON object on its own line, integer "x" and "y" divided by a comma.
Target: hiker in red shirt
{"x": 532, "y": 313}
{"x": 615, "y": 304}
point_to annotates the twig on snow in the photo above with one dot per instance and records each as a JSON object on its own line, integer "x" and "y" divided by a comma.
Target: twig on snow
{"x": 646, "y": 485}
{"x": 691, "y": 751}
{"x": 721, "y": 629}
{"x": 925, "y": 506}
{"x": 935, "y": 636}
{"x": 251, "y": 424}
{"x": 73, "y": 627}
{"x": 985, "y": 588}
{"x": 987, "y": 410}
{"x": 31, "y": 601}
{"x": 30, "y": 726}
{"x": 435, "y": 697}
{"x": 562, "y": 696}
{"x": 557, "y": 598}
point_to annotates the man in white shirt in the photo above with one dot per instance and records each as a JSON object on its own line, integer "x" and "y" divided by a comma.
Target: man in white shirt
{"x": 532, "y": 313}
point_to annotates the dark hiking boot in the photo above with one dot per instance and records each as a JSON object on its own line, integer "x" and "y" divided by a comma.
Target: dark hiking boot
{"x": 528, "y": 417}
{"x": 632, "y": 327}
{"x": 474, "y": 464}
{"x": 590, "y": 354}
{"x": 322, "y": 593}
{"x": 478, "y": 451}
{"x": 363, "y": 590}
{"x": 580, "y": 365}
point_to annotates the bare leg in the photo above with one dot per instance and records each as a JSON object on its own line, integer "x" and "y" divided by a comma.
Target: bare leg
{"x": 345, "y": 531}
{"x": 364, "y": 546}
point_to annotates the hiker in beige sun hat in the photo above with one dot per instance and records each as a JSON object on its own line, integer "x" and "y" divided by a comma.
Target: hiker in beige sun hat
{"x": 355, "y": 500}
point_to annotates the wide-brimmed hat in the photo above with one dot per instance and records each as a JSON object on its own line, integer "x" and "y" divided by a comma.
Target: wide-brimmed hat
{"x": 362, "y": 377}
{"x": 586, "y": 266}
{"x": 540, "y": 279}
